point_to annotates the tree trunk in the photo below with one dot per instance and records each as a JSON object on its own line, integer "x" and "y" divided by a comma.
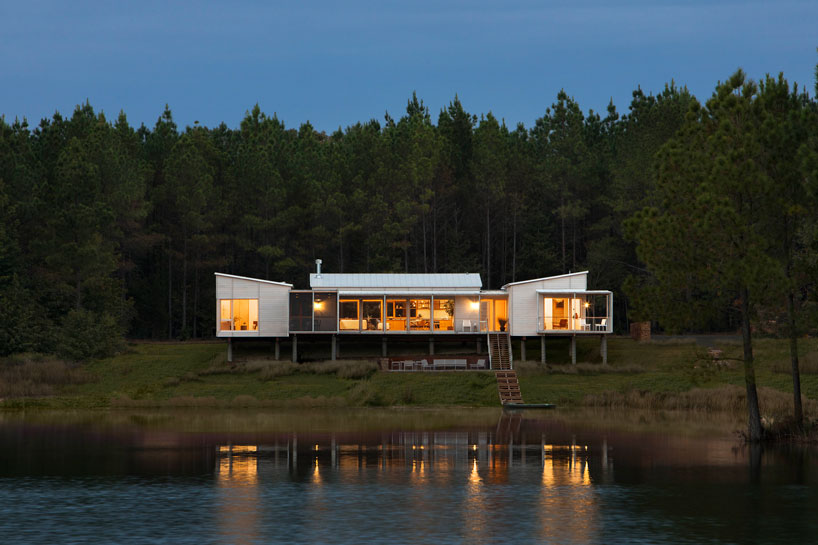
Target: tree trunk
{"x": 170, "y": 292}
{"x": 562, "y": 228}
{"x": 425, "y": 258}
{"x": 514, "y": 247}
{"x": 195, "y": 297}
{"x": 798, "y": 413}
{"x": 434, "y": 236}
{"x": 488, "y": 249}
{"x": 754, "y": 430}
{"x": 184, "y": 286}
{"x": 574, "y": 244}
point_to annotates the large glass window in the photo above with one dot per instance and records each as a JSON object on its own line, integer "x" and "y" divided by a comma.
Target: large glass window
{"x": 396, "y": 314}
{"x": 301, "y": 311}
{"x": 444, "y": 314}
{"x": 325, "y": 311}
{"x": 420, "y": 314}
{"x": 584, "y": 313}
{"x": 372, "y": 312}
{"x": 226, "y": 315}
{"x": 349, "y": 318}
{"x": 238, "y": 315}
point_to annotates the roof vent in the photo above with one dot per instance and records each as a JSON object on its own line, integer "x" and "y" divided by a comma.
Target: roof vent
{"x": 318, "y": 268}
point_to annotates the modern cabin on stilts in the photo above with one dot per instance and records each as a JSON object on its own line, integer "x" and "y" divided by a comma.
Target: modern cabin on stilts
{"x": 398, "y": 307}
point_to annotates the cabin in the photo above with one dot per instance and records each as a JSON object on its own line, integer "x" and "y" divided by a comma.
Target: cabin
{"x": 392, "y": 306}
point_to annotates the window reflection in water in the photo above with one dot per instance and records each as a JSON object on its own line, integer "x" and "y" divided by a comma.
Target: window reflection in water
{"x": 475, "y": 463}
{"x": 237, "y": 476}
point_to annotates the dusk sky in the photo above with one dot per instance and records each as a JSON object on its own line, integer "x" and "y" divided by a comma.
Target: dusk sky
{"x": 337, "y": 63}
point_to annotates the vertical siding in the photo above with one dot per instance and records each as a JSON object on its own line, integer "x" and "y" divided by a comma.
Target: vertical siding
{"x": 245, "y": 289}
{"x": 522, "y": 301}
{"x": 274, "y": 310}
{"x": 273, "y": 305}
{"x": 224, "y": 290}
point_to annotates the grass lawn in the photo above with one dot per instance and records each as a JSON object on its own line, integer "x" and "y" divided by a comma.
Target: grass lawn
{"x": 196, "y": 374}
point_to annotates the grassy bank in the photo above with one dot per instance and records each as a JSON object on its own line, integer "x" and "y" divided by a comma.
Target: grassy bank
{"x": 659, "y": 375}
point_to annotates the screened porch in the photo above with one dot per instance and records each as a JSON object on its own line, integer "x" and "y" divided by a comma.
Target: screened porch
{"x": 574, "y": 311}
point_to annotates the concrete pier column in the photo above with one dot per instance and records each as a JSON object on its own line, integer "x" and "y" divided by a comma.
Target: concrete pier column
{"x": 522, "y": 349}
{"x": 229, "y": 350}
{"x": 334, "y": 347}
{"x": 278, "y": 349}
{"x": 477, "y": 345}
{"x": 383, "y": 346}
{"x": 431, "y": 346}
{"x": 603, "y": 348}
{"x": 573, "y": 349}
{"x": 542, "y": 349}
{"x": 295, "y": 348}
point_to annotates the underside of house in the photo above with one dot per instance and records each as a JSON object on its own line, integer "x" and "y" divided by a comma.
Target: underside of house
{"x": 401, "y": 306}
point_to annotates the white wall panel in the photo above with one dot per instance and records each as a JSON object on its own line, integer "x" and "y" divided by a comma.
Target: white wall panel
{"x": 274, "y": 310}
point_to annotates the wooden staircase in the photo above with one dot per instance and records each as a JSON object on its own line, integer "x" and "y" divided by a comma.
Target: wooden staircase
{"x": 499, "y": 351}
{"x": 501, "y": 361}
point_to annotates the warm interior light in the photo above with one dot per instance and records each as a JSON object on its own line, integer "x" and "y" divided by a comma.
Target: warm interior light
{"x": 318, "y": 305}
{"x": 475, "y": 305}
{"x": 587, "y": 304}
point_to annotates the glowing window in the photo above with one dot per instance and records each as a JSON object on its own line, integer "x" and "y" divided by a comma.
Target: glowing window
{"x": 238, "y": 315}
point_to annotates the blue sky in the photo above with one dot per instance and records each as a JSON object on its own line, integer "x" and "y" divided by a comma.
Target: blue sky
{"x": 336, "y": 63}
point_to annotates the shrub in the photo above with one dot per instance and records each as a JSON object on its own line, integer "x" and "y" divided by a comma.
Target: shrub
{"x": 28, "y": 375}
{"x": 85, "y": 334}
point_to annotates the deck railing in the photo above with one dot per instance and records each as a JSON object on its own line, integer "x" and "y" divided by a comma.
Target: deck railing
{"x": 597, "y": 324}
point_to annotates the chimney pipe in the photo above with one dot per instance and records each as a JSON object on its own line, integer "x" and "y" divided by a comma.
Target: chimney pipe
{"x": 318, "y": 268}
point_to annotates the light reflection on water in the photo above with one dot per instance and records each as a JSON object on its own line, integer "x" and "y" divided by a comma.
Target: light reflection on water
{"x": 534, "y": 479}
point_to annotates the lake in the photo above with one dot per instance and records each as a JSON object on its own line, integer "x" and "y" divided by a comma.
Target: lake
{"x": 413, "y": 476}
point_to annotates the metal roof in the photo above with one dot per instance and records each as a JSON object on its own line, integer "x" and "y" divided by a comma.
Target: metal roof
{"x": 573, "y": 290}
{"x": 253, "y": 279}
{"x": 408, "y": 293}
{"x": 399, "y": 281}
{"x": 544, "y": 278}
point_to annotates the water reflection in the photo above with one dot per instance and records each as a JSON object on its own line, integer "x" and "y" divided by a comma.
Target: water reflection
{"x": 538, "y": 478}
{"x": 237, "y": 503}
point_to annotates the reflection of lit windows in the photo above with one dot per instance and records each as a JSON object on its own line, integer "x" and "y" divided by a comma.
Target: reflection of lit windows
{"x": 238, "y": 464}
{"x": 238, "y": 315}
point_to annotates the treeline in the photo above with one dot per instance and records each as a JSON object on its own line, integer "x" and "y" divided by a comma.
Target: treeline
{"x": 109, "y": 230}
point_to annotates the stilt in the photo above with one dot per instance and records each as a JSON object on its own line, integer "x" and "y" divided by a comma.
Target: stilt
{"x": 334, "y": 347}
{"x": 603, "y": 349}
{"x": 431, "y": 346}
{"x": 278, "y": 349}
{"x": 542, "y": 349}
{"x": 573, "y": 349}
{"x": 522, "y": 349}
{"x": 477, "y": 345}
{"x": 295, "y": 348}
{"x": 383, "y": 346}
{"x": 229, "y": 350}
